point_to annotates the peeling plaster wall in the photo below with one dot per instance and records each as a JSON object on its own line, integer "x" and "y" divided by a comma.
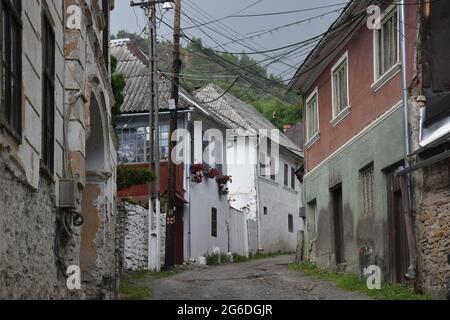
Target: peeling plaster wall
{"x": 88, "y": 99}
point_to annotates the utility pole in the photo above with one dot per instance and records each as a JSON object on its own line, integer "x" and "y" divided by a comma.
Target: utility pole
{"x": 171, "y": 214}
{"x": 154, "y": 227}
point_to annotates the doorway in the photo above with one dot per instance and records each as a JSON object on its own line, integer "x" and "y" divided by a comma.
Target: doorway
{"x": 338, "y": 222}
{"x": 398, "y": 244}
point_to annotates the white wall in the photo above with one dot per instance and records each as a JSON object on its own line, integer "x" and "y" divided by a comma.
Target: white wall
{"x": 204, "y": 197}
{"x": 243, "y": 189}
{"x": 280, "y": 202}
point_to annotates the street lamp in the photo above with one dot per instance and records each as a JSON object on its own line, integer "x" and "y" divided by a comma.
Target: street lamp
{"x": 145, "y": 4}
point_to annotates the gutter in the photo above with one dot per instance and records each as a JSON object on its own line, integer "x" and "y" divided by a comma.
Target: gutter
{"x": 258, "y": 196}
{"x": 406, "y": 179}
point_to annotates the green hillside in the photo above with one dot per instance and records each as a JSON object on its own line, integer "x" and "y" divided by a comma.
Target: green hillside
{"x": 199, "y": 68}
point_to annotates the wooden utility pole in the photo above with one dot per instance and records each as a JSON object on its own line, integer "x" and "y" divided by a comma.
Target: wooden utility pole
{"x": 171, "y": 214}
{"x": 154, "y": 260}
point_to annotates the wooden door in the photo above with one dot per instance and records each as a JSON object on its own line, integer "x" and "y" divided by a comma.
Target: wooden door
{"x": 338, "y": 225}
{"x": 179, "y": 236}
{"x": 398, "y": 244}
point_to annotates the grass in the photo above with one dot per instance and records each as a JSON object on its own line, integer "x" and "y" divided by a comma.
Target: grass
{"x": 136, "y": 285}
{"x": 351, "y": 282}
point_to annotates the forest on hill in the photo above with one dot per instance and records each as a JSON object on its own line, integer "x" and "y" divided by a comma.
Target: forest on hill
{"x": 241, "y": 75}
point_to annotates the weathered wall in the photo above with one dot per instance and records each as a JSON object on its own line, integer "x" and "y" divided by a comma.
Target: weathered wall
{"x": 29, "y": 220}
{"x": 91, "y": 144}
{"x": 134, "y": 254}
{"x": 433, "y": 229}
{"x": 378, "y": 145}
{"x": 27, "y": 238}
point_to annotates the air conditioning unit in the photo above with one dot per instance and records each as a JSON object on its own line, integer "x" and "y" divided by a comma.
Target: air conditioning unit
{"x": 68, "y": 194}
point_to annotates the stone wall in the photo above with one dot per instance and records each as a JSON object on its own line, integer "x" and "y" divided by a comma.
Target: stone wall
{"x": 433, "y": 228}
{"x": 28, "y": 228}
{"x": 134, "y": 254}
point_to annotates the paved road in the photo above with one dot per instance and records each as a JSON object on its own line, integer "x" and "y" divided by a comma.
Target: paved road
{"x": 254, "y": 280}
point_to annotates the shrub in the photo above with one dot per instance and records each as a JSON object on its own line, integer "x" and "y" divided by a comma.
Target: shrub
{"x": 130, "y": 176}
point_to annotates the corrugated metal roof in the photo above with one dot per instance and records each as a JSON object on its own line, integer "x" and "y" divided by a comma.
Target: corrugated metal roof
{"x": 132, "y": 63}
{"x": 245, "y": 119}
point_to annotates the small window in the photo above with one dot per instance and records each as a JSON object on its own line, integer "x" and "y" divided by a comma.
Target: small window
{"x": 367, "y": 181}
{"x": 291, "y": 223}
{"x": 267, "y": 170}
{"x": 312, "y": 116}
{"x": 214, "y": 222}
{"x": 386, "y": 43}
{"x": 11, "y": 88}
{"x": 339, "y": 82}
{"x": 265, "y": 211}
{"x": 48, "y": 94}
{"x": 293, "y": 179}
{"x": 286, "y": 175}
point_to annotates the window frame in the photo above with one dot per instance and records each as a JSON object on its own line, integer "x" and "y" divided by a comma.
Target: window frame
{"x": 381, "y": 79}
{"x": 146, "y": 156}
{"x": 48, "y": 92}
{"x": 6, "y": 98}
{"x": 286, "y": 175}
{"x": 293, "y": 179}
{"x": 337, "y": 116}
{"x": 311, "y": 138}
{"x": 290, "y": 223}
{"x": 368, "y": 210}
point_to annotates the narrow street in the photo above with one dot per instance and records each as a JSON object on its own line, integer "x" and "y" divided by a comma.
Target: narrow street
{"x": 267, "y": 279}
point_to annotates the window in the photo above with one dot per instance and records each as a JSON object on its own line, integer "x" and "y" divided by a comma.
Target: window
{"x": 48, "y": 94}
{"x": 367, "y": 181}
{"x": 293, "y": 179}
{"x": 134, "y": 144}
{"x": 339, "y": 75}
{"x": 105, "y": 9}
{"x": 386, "y": 43}
{"x": 286, "y": 175}
{"x": 265, "y": 211}
{"x": 291, "y": 223}
{"x": 214, "y": 222}
{"x": 11, "y": 45}
{"x": 312, "y": 116}
{"x": 267, "y": 170}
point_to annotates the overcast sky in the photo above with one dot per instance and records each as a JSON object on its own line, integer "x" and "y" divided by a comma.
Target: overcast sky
{"x": 200, "y": 11}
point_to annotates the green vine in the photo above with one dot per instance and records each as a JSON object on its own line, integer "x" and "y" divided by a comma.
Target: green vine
{"x": 118, "y": 83}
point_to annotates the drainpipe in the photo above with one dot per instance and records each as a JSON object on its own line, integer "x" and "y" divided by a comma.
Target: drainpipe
{"x": 258, "y": 198}
{"x": 406, "y": 180}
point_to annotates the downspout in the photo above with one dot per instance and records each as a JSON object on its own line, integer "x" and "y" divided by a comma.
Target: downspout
{"x": 406, "y": 180}
{"x": 188, "y": 186}
{"x": 258, "y": 198}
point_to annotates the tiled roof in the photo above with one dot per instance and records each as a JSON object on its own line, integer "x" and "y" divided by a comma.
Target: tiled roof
{"x": 245, "y": 119}
{"x": 296, "y": 134}
{"x": 132, "y": 63}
